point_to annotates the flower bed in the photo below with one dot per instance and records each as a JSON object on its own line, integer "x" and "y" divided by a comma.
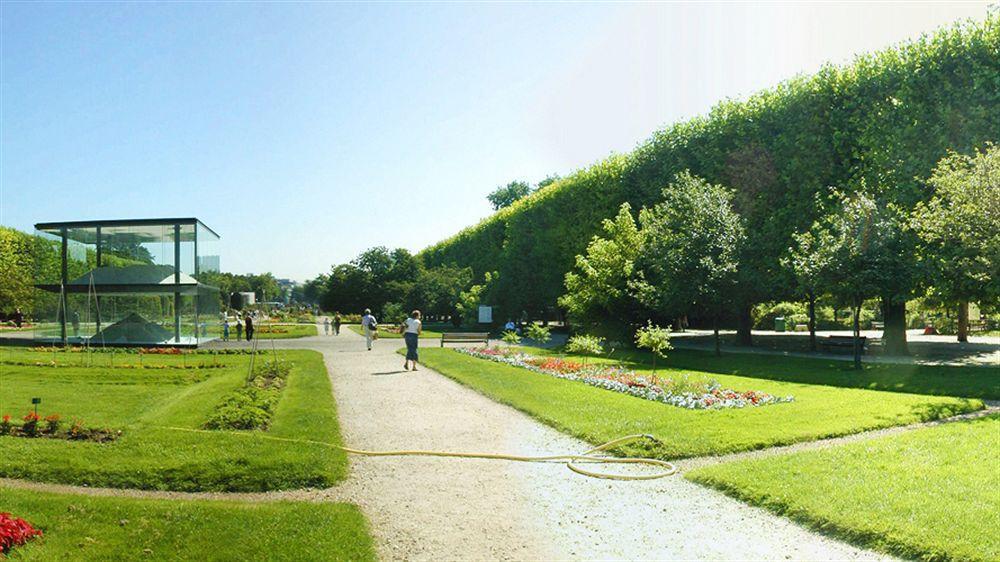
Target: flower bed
{"x": 35, "y": 426}
{"x": 684, "y": 392}
{"x": 14, "y": 531}
{"x": 251, "y": 406}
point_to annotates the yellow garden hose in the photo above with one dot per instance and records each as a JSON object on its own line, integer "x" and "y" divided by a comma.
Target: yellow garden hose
{"x": 571, "y": 460}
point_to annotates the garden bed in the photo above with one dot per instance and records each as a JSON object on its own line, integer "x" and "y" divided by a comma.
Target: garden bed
{"x": 162, "y": 413}
{"x": 684, "y": 391}
{"x": 597, "y": 416}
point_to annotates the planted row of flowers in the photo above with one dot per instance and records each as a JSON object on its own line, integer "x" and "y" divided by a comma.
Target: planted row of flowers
{"x": 53, "y": 363}
{"x": 141, "y": 350}
{"x": 32, "y": 425}
{"x": 14, "y": 531}
{"x": 252, "y": 406}
{"x": 684, "y": 392}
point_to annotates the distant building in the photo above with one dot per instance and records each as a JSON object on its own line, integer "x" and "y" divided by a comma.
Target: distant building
{"x": 128, "y": 282}
{"x": 288, "y": 287}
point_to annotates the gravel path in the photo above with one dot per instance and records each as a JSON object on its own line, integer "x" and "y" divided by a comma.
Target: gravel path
{"x": 447, "y": 509}
{"x": 425, "y": 508}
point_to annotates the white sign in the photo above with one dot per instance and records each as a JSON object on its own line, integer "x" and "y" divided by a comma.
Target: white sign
{"x": 485, "y": 314}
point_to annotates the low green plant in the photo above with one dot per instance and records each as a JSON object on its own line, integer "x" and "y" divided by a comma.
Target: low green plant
{"x": 585, "y": 345}
{"x": 538, "y": 333}
{"x": 655, "y": 339}
{"x": 510, "y": 337}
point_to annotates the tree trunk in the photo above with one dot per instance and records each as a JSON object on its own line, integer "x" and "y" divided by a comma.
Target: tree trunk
{"x": 744, "y": 325}
{"x": 894, "y": 333}
{"x": 857, "y": 335}
{"x": 812, "y": 322}
{"x": 963, "y": 321}
{"x": 715, "y": 329}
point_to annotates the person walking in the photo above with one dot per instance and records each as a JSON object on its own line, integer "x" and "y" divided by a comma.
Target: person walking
{"x": 249, "y": 327}
{"x": 336, "y": 324}
{"x": 18, "y": 317}
{"x": 411, "y": 333}
{"x": 239, "y": 327}
{"x": 225, "y": 329}
{"x": 370, "y": 327}
{"x": 326, "y": 325}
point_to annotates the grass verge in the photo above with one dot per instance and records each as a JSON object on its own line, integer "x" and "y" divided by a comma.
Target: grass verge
{"x": 597, "y": 415}
{"x": 285, "y": 331}
{"x": 387, "y": 333}
{"x": 144, "y": 402}
{"x": 930, "y": 494}
{"x": 79, "y": 527}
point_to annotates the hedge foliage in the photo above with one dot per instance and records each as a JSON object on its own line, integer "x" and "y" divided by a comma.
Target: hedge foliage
{"x": 887, "y": 119}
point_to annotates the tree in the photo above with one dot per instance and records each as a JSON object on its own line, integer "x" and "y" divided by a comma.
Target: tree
{"x": 655, "y": 339}
{"x": 808, "y": 261}
{"x": 437, "y": 290}
{"x": 346, "y": 290}
{"x": 469, "y": 301}
{"x": 861, "y": 239}
{"x": 506, "y": 195}
{"x": 549, "y": 180}
{"x": 693, "y": 240}
{"x": 598, "y": 295}
{"x": 959, "y": 231}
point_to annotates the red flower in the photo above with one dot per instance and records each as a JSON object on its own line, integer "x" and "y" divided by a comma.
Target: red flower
{"x": 15, "y": 531}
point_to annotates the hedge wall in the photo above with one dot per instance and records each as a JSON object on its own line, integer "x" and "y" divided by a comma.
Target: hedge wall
{"x": 886, "y": 118}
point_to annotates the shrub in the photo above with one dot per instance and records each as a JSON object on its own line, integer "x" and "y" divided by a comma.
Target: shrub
{"x": 5, "y": 425}
{"x": 511, "y": 337}
{"x": 252, "y": 406}
{"x": 540, "y": 334}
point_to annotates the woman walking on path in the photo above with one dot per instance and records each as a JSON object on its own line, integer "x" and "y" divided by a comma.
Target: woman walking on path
{"x": 336, "y": 324}
{"x": 326, "y": 326}
{"x": 249, "y": 329}
{"x": 370, "y": 327}
{"x": 411, "y": 333}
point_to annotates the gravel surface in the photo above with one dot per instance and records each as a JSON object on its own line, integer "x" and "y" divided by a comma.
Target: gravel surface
{"x": 425, "y": 508}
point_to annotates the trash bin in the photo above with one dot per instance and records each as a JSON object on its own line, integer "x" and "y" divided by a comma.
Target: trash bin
{"x": 779, "y": 324}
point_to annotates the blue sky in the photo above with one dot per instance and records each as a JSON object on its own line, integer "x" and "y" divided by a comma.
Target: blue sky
{"x": 304, "y": 133}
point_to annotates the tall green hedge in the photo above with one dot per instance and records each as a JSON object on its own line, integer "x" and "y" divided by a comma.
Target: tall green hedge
{"x": 886, "y": 118}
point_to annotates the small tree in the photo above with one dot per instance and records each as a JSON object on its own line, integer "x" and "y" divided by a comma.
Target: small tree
{"x": 691, "y": 257}
{"x": 808, "y": 263}
{"x": 598, "y": 295}
{"x": 538, "y": 333}
{"x": 655, "y": 339}
{"x": 959, "y": 230}
{"x": 468, "y": 301}
{"x": 585, "y": 345}
{"x": 510, "y": 337}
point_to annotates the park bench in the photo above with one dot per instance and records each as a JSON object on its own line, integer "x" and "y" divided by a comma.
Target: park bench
{"x": 878, "y": 325}
{"x": 842, "y": 342}
{"x": 465, "y": 337}
{"x": 977, "y": 325}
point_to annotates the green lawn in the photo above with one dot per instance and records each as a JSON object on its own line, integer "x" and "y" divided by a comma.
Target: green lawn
{"x": 284, "y": 331}
{"x": 80, "y": 527}
{"x": 931, "y": 494}
{"x": 969, "y": 382}
{"x": 143, "y": 402}
{"x": 597, "y": 415}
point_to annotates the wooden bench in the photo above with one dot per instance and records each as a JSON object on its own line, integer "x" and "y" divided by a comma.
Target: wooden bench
{"x": 977, "y": 325}
{"x": 878, "y": 325}
{"x": 465, "y": 337}
{"x": 842, "y": 342}
{"x": 802, "y": 327}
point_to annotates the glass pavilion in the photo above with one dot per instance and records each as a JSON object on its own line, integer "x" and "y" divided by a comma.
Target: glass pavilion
{"x": 128, "y": 283}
